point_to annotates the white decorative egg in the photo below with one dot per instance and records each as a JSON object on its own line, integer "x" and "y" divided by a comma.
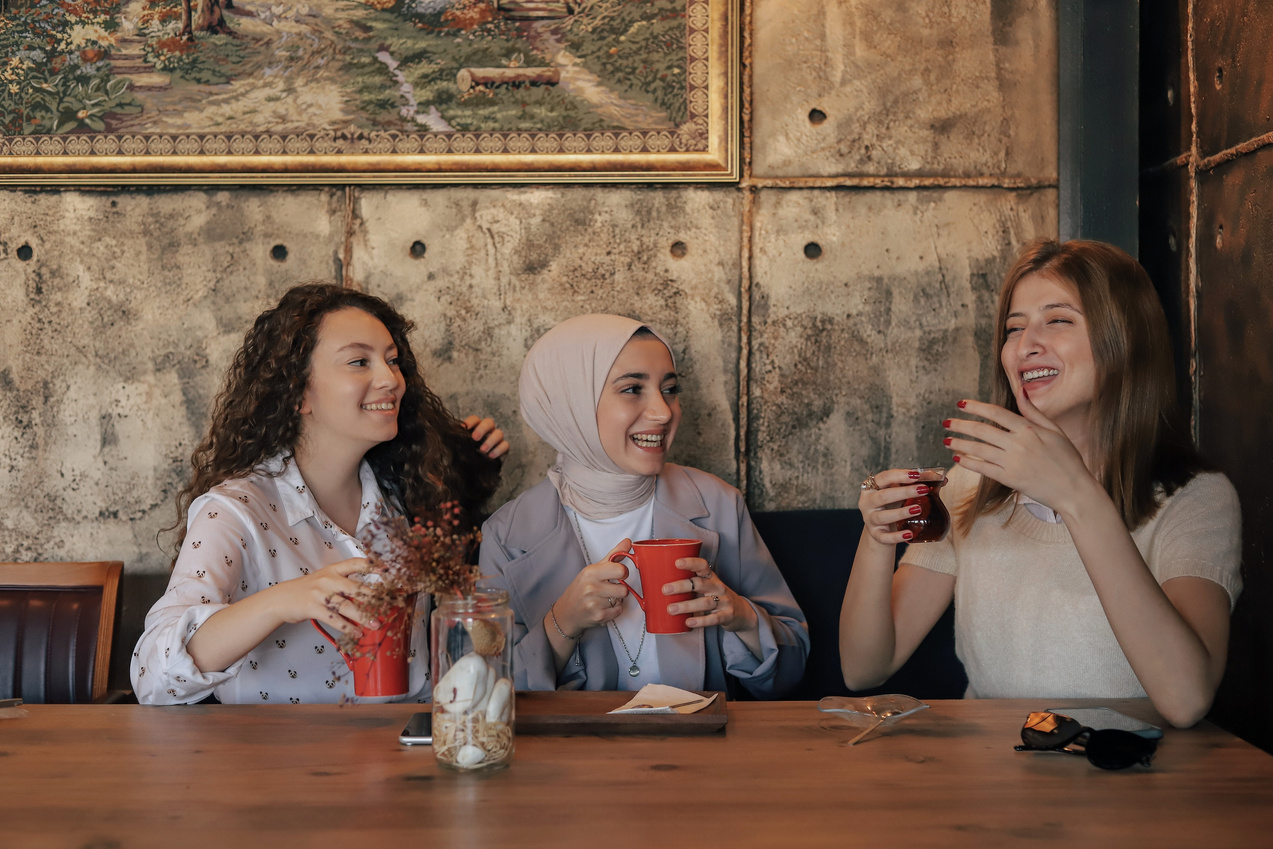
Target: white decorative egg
{"x": 500, "y": 702}
{"x": 464, "y": 686}
{"x": 470, "y": 755}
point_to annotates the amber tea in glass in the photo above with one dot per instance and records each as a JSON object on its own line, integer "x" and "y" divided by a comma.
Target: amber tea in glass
{"x": 933, "y": 519}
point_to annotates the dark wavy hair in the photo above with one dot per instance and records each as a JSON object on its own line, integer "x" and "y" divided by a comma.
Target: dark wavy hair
{"x": 255, "y": 417}
{"x": 1140, "y": 443}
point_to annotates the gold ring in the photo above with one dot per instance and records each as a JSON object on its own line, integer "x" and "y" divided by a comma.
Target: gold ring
{"x": 869, "y": 483}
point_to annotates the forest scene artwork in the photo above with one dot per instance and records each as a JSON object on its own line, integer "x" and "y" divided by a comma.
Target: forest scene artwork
{"x": 227, "y": 78}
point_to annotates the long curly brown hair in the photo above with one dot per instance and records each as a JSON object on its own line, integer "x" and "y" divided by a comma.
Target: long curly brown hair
{"x": 433, "y": 458}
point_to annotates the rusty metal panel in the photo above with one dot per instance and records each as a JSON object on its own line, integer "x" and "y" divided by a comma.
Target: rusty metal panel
{"x": 485, "y": 271}
{"x": 1235, "y": 352}
{"x": 872, "y": 316}
{"x": 868, "y": 87}
{"x": 1233, "y": 40}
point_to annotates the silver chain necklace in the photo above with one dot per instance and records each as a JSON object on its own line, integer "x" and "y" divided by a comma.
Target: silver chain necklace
{"x": 633, "y": 670}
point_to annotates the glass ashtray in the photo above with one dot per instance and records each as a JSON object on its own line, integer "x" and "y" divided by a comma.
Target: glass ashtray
{"x": 871, "y": 711}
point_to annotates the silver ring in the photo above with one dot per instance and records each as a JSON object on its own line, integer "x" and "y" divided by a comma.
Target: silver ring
{"x": 869, "y": 483}
{"x": 693, "y": 588}
{"x": 613, "y": 601}
{"x": 715, "y": 602}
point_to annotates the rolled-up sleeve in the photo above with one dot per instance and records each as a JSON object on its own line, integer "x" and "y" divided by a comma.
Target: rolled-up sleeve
{"x": 205, "y": 579}
{"x": 783, "y": 633}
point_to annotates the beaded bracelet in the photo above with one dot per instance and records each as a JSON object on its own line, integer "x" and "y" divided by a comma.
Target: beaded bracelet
{"x": 558, "y": 627}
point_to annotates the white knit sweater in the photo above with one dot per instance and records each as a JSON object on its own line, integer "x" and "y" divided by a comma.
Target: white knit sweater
{"x": 1028, "y": 623}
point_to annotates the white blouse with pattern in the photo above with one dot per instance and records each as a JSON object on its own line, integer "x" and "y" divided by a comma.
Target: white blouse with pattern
{"x": 242, "y": 536}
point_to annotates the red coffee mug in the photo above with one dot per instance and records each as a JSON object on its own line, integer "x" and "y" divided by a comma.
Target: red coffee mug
{"x": 656, "y": 560}
{"x": 380, "y": 663}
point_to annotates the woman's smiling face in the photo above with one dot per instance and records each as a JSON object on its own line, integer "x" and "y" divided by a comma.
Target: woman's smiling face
{"x": 638, "y": 411}
{"x": 1047, "y": 351}
{"x": 355, "y": 385}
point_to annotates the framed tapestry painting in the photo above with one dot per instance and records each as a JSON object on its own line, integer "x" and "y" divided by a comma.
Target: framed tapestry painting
{"x": 251, "y": 91}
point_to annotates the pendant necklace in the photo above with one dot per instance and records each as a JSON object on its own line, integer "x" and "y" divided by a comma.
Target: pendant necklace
{"x": 633, "y": 670}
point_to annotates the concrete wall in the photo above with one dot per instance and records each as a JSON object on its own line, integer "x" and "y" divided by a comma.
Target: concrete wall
{"x": 827, "y": 312}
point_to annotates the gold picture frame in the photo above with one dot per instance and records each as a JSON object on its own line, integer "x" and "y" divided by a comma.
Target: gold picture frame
{"x": 694, "y": 141}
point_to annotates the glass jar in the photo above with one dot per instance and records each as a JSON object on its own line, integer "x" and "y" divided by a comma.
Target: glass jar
{"x": 473, "y": 681}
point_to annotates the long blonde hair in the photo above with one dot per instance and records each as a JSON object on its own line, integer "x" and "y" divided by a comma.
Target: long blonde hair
{"x": 1140, "y": 449}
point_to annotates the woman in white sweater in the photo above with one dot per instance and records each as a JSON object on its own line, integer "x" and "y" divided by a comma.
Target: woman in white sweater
{"x": 1090, "y": 554}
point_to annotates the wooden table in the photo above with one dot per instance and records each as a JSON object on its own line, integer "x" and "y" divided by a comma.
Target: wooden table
{"x": 780, "y": 775}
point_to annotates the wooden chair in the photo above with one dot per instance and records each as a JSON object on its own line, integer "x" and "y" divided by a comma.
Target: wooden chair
{"x": 57, "y": 621}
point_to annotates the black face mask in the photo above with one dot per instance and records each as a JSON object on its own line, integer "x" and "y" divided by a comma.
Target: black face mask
{"x": 1108, "y": 748}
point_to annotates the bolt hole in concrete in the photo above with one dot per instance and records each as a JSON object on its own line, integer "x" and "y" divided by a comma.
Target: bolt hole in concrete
{"x": 1219, "y": 77}
{"x": 1220, "y": 236}
{"x": 417, "y": 249}
{"x": 279, "y": 252}
{"x": 817, "y": 116}
{"x": 813, "y": 250}
{"x": 25, "y": 253}
{"x": 679, "y": 250}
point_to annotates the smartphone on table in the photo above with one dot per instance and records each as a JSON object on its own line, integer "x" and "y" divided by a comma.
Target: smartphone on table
{"x": 419, "y": 730}
{"x": 1101, "y": 717}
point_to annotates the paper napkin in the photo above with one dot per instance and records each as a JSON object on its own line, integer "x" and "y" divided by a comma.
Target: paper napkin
{"x": 660, "y": 698}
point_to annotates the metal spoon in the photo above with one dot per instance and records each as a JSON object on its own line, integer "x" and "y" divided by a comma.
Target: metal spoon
{"x": 878, "y": 722}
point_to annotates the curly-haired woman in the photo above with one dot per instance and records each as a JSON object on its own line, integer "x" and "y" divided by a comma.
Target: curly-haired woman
{"x": 324, "y": 415}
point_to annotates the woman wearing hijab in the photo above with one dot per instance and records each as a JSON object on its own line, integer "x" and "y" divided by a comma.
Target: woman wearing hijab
{"x": 602, "y": 390}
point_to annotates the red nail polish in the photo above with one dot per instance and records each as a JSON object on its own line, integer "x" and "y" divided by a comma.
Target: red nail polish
{"x": 908, "y": 535}
{"x": 956, "y": 458}
{"x": 916, "y": 510}
{"x": 945, "y": 423}
{"x": 913, "y": 474}
{"x": 962, "y": 404}
{"x": 946, "y": 442}
{"x": 922, "y": 489}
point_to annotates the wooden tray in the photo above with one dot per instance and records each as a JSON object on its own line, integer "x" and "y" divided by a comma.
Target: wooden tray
{"x": 577, "y": 714}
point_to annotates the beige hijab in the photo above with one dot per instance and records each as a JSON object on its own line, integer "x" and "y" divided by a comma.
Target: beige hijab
{"x": 562, "y": 380}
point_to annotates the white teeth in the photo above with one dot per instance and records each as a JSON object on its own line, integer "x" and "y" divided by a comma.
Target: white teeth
{"x": 388, "y": 405}
{"x": 648, "y": 440}
{"x": 1035, "y": 374}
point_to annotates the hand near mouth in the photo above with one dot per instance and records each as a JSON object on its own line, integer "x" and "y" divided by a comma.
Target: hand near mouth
{"x": 1027, "y": 452}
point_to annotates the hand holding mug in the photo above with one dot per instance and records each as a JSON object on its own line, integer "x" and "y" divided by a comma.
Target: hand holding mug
{"x": 657, "y": 560}
{"x": 714, "y": 603}
{"x": 595, "y": 596}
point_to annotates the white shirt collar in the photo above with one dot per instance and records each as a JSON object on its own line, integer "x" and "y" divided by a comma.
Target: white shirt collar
{"x": 1039, "y": 510}
{"x": 298, "y": 502}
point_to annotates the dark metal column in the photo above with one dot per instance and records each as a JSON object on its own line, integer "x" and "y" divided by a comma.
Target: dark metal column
{"x": 1099, "y": 165}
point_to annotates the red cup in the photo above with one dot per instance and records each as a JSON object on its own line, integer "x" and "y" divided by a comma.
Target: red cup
{"x": 379, "y": 663}
{"x": 656, "y": 560}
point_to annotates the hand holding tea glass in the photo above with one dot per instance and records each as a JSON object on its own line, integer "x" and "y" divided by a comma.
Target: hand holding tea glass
{"x": 904, "y": 505}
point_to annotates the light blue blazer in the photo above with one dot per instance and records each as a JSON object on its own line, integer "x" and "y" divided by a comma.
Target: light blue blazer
{"x": 530, "y": 546}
